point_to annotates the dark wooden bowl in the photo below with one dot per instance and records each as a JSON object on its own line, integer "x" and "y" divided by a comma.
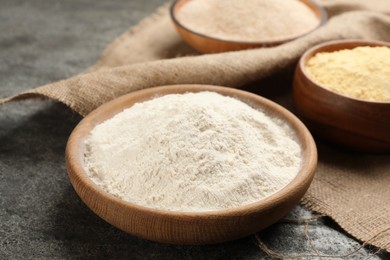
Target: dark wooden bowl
{"x": 209, "y": 44}
{"x": 187, "y": 227}
{"x": 352, "y": 123}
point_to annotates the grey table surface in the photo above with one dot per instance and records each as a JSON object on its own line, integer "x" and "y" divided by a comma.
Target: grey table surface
{"x": 41, "y": 217}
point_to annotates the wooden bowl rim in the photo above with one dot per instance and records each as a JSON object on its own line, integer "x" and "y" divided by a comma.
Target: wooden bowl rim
{"x": 75, "y": 149}
{"x": 323, "y": 19}
{"x": 335, "y": 43}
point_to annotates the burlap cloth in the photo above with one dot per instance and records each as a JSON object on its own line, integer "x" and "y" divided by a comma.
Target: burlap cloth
{"x": 353, "y": 189}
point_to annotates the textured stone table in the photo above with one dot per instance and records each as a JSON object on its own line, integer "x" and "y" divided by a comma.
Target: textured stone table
{"x": 41, "y": 217}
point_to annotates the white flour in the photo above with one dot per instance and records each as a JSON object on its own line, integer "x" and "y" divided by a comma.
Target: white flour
{"x": 192, "y": 152}
{"x": 249, "y": 20}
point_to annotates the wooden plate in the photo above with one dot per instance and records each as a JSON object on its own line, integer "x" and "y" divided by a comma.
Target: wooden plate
{"x": 187, "y": 227}
{"x": 210, "y": 44}
{"x": 349, "y": 122}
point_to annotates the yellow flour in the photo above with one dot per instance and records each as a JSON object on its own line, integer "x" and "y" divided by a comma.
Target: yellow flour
{"x": 362, "y": 72}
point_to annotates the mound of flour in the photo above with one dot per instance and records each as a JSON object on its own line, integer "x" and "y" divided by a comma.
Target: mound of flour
{"x": 192, "y": 152}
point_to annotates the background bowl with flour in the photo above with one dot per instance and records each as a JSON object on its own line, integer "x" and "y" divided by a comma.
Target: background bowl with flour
{"x": 218, "y": 26}
{"x": 354, "y": 110}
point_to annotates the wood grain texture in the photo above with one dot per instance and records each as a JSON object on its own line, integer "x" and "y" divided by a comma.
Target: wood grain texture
{"x": 352, "y": 123}
{"x": 187, "y": 227}
{"x": 209, "y": 44}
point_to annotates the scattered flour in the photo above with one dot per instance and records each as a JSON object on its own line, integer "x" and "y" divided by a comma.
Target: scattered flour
{"x": 192, "y": 152}
{"x": 249, "y": 20}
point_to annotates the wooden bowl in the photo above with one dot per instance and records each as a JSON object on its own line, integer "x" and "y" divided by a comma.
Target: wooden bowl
{"x": 209, "y": 44}
{"x": 352, "y": 123}
{"x": 187, "y": 227}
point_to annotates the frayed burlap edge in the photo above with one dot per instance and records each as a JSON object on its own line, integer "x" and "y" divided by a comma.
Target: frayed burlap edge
{"x": 380, "y": 240}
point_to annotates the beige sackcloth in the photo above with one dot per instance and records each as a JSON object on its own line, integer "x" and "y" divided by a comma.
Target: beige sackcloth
{"x": 351, "y": 188}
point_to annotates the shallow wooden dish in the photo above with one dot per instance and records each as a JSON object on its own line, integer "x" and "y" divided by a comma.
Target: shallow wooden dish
{"x": 209, "y": 44}
{"x": 187, "y": 227}
{"x": 353, "y": 123}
